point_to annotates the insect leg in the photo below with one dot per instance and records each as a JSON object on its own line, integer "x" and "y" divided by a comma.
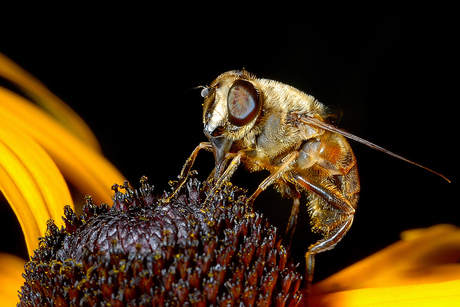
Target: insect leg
{"x": 336, "y": 231}
{"x": 227, "y": 174}
{"x": 332, "y": 197}
{"x": 187, "y": 167}
{"x": 329, "y": 242}
{"x": 288, "y": 160}
{"x": 292, "y": 221}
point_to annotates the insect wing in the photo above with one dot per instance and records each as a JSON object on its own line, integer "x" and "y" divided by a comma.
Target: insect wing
{"x": 333, "y": 115}
{"x": 316, "y": 122}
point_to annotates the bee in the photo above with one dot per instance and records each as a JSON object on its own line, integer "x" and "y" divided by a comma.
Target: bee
{"x": 267, "y": 125}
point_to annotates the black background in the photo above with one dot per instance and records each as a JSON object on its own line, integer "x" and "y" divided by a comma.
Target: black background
{"x": 392, "y": 69}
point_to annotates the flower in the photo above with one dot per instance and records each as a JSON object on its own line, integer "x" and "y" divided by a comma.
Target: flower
{"x": 144, "y": 251}
{"x": 42, "y": 146}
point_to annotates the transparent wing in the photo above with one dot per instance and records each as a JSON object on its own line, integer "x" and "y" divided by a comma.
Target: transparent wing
{"x": 333, "y": 115}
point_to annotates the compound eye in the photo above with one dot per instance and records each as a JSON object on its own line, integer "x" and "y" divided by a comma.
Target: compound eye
{"x": 243, "y": 102}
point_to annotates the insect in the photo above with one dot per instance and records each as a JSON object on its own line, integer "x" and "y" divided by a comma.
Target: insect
{"x": 267, "y": 125}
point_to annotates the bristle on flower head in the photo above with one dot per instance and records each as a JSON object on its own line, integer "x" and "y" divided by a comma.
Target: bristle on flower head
{"x": 143, "y": 252}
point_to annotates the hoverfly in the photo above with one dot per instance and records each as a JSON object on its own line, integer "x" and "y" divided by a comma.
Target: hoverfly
{"x": 267, "y": 125}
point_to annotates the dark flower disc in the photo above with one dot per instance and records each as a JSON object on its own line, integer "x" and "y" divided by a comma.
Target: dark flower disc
{"x": 145, "y": 251}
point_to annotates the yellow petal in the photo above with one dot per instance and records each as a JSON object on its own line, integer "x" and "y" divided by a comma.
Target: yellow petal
{"x": 32, "y": 184}
{"x": 11, "y": 268}
{"x": 423, "y": 295}
{"x": 423, "y": 269}
{"x": 81, "y": 164}
{"x": 47, "y": 100}
{"x": 431, "y": 256}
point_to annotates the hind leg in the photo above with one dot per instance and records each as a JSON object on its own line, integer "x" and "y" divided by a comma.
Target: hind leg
{"x": 327, "y": 243}
{"x": 335, "y": 228}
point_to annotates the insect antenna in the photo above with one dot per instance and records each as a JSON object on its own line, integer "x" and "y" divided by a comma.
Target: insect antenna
{"x": 316, "y": 122}
{"x": 204, "y": 89}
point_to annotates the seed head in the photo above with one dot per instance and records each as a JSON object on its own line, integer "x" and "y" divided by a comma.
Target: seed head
{"x": 145, "y": 251}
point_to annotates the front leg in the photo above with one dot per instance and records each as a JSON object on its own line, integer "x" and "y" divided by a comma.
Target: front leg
{"x": 186, "y": 169}
{"x": 236, "y": 159}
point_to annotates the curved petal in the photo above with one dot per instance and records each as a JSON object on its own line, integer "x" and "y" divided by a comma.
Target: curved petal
{"x": 47, "y": 100}
{"x": 422, "y": 295}
{"x": 11, "y": 279}
{"x": 32, "y": 184}
{"x": 82, "y": 165}
{"x": 429, "y": 256}
{"x": 421, "y": 268}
